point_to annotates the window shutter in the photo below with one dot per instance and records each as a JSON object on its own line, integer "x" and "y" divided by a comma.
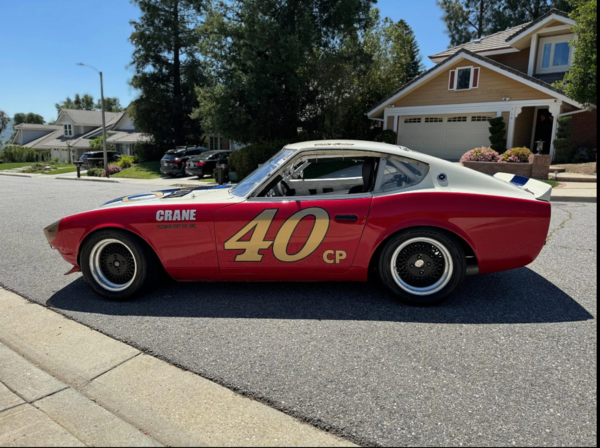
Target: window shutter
{"x": 476, "y": 71}
{"x": 451, "y": 84}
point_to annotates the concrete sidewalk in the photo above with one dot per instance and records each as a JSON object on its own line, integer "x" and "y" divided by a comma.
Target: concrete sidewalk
{"x": 64, "y": 384}
{"x": 575, "y": 192}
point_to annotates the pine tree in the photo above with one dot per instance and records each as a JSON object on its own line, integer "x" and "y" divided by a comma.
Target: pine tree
{"x": 167, "y": 70}
{"x": 468, "y": 20}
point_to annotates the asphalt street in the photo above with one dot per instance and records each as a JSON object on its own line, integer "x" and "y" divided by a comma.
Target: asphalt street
{"x": 510, "y": 359}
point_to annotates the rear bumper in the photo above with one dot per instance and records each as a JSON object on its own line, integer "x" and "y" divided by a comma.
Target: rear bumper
{"x": 170, "y": 169}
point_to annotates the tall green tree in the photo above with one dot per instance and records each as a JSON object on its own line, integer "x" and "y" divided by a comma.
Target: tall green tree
{"x": 86, "y": 102}
{"x": 4, "y": 120}
{"x": 515, "y": 12}
{"x": 264, "y": 57}
{"x": 31, "y": 118}
{"x": 581, "y": 83}
{"x": 167, "y": 69}
{"x": 468, "y": 20}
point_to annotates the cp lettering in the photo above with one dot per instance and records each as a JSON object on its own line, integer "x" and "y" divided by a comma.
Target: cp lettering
{"x": 334, "y": 256}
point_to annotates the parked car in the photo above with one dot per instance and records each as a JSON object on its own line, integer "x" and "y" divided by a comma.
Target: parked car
{"x": 318, "y": 211}
{"x": 93, "y": 159}
{"x": 205, "y": 163}
{"x": 173, "y": 162}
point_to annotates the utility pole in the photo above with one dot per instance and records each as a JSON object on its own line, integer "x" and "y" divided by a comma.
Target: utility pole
{"x": 103, "y": 119}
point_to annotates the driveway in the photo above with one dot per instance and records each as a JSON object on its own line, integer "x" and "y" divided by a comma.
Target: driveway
{"x": 509, "y": 360}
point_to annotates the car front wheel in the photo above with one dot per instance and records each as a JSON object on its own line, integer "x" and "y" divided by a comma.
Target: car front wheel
{"x": 422, "y": 266}
{"x": 116, "y": 265}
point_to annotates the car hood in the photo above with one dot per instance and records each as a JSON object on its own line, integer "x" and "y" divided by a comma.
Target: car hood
{"x": 189, "y": 195}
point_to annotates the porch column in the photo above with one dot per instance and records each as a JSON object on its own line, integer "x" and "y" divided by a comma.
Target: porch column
{"x": 514, "y": 113}
{"x": 555, "y": 110}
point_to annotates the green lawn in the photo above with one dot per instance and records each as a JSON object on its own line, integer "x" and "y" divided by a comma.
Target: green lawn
{"x": 145, "y": 170}
{"x": 552, "y": 183}
{"x": 207, "y": 179}
{"x": 61, "y": 170}
{"x": 10, "y": 166}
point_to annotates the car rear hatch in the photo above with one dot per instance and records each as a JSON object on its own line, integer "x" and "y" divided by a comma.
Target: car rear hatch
{"x": 540, "y": 190}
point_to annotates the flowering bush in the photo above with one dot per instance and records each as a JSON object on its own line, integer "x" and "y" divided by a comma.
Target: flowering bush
{"x": 482, "y": 154}
{"x": 516, "y": 155}
{"x": 112, "y": 169}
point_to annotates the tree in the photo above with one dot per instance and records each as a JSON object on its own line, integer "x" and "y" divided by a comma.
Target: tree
{"x": 31, "y": 118}
{"x": 167, "y": 69}
{"x": 97, "y": 145}
{"x": 264, "y": 58}
{"x": 4, "y": 120}
{"x": 581, "y": 82}
{"x": 86, "y": 102}
{"x": 110, "y": 105}
{"x": 515, "y": 12}
{"x": 468, "y": 20}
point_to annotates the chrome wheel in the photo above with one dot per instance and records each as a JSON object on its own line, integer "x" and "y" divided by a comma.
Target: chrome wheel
{"x": 422, "y": 266}
{"x": 113, "y": 265}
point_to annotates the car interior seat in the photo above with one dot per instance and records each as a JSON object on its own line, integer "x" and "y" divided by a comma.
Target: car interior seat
{"x": 368, "y": 175}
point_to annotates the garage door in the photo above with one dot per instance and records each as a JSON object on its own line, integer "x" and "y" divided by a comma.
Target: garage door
{"x": 444, "y": 136}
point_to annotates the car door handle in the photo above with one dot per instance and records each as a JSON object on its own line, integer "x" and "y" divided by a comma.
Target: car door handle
{"x": 346, "y": 218}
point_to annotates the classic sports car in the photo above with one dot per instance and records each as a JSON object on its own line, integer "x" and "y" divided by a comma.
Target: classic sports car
{"x": 317, "y": 211}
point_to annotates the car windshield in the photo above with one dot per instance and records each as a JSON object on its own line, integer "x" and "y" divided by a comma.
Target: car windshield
{"x": 261, "y": 173}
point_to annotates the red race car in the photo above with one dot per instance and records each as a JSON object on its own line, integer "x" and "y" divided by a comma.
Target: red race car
{"x": 317, "y": 211}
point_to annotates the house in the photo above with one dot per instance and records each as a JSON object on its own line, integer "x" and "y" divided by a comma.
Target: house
{"x": 444, "y": 112}
{"x": 73, "y": 130}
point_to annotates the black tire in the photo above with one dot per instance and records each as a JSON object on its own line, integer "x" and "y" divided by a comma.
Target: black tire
{"x": 429, "y": 264}
{"x": 134, "y": 266}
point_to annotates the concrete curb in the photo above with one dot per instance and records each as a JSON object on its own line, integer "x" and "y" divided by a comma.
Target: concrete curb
{"x": 89, "y": 179}
{"x": 586, "y": 199}
{"x": 15, "y": 174}
{"x": 178, "y": 408}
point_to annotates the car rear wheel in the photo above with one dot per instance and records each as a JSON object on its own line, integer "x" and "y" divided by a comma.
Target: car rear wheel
{"x": 422, "y": 266}
{"x": 116, "y": 265}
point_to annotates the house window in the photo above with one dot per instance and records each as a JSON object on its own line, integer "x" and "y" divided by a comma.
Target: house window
{"x": 68, "y": 130}
{"x": 476, "y": 118}
{"x": 464, "y": 78}
{"x": 434, "y": 120}
{"x": 555, "y": 54}
{"x": 412, "y": 120}
{"x": 457, "y": 120}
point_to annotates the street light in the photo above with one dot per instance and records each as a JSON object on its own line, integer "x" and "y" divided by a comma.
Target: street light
{"x": 103, "y": 120}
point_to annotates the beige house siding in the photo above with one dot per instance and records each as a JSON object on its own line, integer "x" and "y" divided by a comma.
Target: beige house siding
{"x": 524, "y": 127}
{"x": 518, "y": 61}
{"x": 493, "y": 87}
{"x": 390, "y": 123}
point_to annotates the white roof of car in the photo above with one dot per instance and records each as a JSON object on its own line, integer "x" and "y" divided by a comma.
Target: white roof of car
{"x": 348, "y": 144}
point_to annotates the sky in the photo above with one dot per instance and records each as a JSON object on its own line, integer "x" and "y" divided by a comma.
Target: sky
{"x": 43, "y": 40}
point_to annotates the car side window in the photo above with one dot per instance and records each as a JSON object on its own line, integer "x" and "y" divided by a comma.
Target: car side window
{"x": 400, "y": 173}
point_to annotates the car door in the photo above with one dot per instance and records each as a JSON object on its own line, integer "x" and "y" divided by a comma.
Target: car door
{"x": 288, "y": 239}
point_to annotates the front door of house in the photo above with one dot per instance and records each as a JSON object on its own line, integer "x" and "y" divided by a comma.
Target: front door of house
{"x": 544, "y": 121}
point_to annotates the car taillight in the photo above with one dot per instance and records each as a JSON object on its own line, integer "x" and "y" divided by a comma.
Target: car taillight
{"x": 200, "y": 163}
{"x": 177, "y": 160}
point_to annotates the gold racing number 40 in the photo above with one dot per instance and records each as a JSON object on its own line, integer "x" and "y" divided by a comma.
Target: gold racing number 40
{"x": 260, "y": 227}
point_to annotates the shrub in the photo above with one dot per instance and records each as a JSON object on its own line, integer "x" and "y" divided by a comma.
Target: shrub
{"x": 387, "y": 136}
{"x": 15, "y": 154}
{"x": 95, "y": 172}
{"x": 246, "y": 160}
{"x": 563, "y": 145}
{"x": 148, "y": 152}
{"x": 516, "y": 155}
{"x": 482, "y": 154}
{"x": 498, "y": 134}
{"x": 112, "y": 169}
{"x": 126, "y": 162}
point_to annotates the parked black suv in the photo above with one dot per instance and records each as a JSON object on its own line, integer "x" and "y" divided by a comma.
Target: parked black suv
{"x": 205, "y": 163}
{"x": 92, "y": 159}
{"x": 173, "y": 162}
